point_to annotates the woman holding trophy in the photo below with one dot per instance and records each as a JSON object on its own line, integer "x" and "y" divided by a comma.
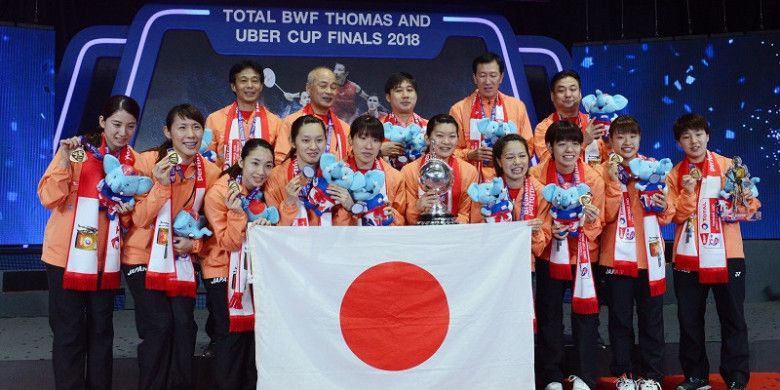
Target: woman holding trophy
{"x": 442, "y": 138}
{"x": 291, "y": 185}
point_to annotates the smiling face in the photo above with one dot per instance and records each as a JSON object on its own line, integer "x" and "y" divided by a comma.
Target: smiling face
{"x": 565, "y": 154}
{"x": 514, "y": 161}
{"x": 185, "y": 134}
{"x": 694, "y": 143}
{"x": 402, "y": 98}
{"x": 488, "y": 78}
{"x": 443, "y": 139}
{"x": 322, "y": 89}
{"x": 310, "y": 143}
{"x": 118, "y": 129}
{"x": 247, "y": 86}
{"x": 625, "y": 144}
{"x": 256, "y": 167}
{"x": 566, "y": 95}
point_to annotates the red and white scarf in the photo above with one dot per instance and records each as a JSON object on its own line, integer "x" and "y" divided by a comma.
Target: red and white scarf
{"x": 584, "y": 300}
{"x": 333, "y": 129}
{"x": 240, "y": 303}
{"x": 81, "y": 265}
{"x": 705, "y": 250}
{"x": 625, "y": 255}
{"x": 452, "y": 197}
{"x": 234, "y": 133}
{"x": 302, "y": 217}
{"x": 527, "y": 211}
{"x": 393, "y": 119}
{"x": 168, "y": 271}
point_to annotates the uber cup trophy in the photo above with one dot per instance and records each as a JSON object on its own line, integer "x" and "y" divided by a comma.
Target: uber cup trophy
{"x": 436, "y": 175}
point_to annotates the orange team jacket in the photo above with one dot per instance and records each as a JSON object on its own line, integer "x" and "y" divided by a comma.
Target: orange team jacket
{"x": 229, "y": 229}
{"x": 275, "y": 193}
{"x": 218, "y": 120}
{"x": 58, "y": 192}
{"x": 411, "y": 175}
{"x": 137, "y": 242}
{"x": 685, "y": 205}
{"x": 396, "y": 192}
{"x": 591, "y": 230}
{"x": 514, "y": 110}
{"x": 282, "y": 145}
{"x": 541, "y": 147}
{"x": 539, "y": 239}
{"x": 614, "y": 196}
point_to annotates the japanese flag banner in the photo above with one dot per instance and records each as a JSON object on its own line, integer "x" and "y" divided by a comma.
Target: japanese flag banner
{"x": 411, "y": 307}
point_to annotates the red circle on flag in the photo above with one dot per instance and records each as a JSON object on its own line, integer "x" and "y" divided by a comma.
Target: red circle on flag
{"x": 394, "y": 316}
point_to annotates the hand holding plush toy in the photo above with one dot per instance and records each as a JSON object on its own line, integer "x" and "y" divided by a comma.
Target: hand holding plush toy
{"x": 120, "y": 185}
{"x": 494, "y": 198}
{"x": 651, "y": 175}
{"x": 334, "y": 172}
{"x": 604, "y": 106}
{"x": 565, "y": 206}
{"x": 370, "y": 202}
{"x": 190, "y": 225}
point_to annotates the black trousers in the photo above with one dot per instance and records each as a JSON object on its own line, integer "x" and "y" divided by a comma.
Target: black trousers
{"x": 166, "y": 326}
{"x": 234, "y": 366}
{"x": 83, "y": 328}
{"x": 624, "y": 292}
{"x": 549, "y": 313}
{"x": 729, "y": 301}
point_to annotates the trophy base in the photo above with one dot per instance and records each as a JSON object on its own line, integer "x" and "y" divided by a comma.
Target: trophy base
{"x": 439, "y": 219}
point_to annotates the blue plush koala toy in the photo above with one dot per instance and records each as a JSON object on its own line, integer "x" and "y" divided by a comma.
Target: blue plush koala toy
{"x": 494, "y": 198}
{"x": 120, "y": 185}
{"x": 565, "y": 207}
{"x": 208, "y": 137}
{"x": 651, "y": 175}
{"x": 370, "y": 202}
{"x": 604, "y": 106}
{"x": 256, "y": 209}
{"x": 188, "y": 224}
{"x": 334, "y": 172}
{"x": 493, "y": 130}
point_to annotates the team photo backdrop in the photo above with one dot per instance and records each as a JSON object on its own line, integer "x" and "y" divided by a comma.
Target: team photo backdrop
{"x": 732, "y": 81}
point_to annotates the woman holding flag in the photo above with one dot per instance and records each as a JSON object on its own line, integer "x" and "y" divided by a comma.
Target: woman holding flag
{"x": 158, "y": 265}
{"x": 291, "y": 182}
{"x": 83, "y": 267}
{"x": 229, "y": 203}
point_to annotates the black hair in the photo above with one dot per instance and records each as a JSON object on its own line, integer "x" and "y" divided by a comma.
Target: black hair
{"x": 438, "y": 120}
{"x": 296, "y": 127}
{"x": 563, "y": 131}
{"x": 486, "y": 59}
{"x": 367, "y": 125}
{"x": 253, "y": 143}
{"x": 182, "y": 111}
{"x": 498, "y": 150}
{"x": 624, "y": 124}
{"x": 562, "y": 75}
{"x": 397, "y": 79}
{"x": 245, "y": 64}
{"x": 688, "y": 122}
{"x": 113, "y": 104}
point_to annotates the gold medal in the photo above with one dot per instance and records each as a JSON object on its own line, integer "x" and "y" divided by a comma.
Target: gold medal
{"x": 174, "y": 157}
{"x": 233, "y": 186}
{"x": 78, "y": 155}
{"x": 615, "y": 158}
{"x": 586, "y": 199}
{"x": 695, "y": 173}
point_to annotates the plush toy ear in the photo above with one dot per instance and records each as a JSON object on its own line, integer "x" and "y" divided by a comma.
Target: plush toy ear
{"x": 388, "y": 129}
{"x": 415, "y": 128}
{"x": 205, "y": 141}
{"x": 273, "y": 215}
{"x": 326, "y": 160}
{"x": 144, "y": 184}
{"x": 588, "y": 102}
{"x": 110, "y": 163}
{"x": 473, "y": 192}
{"x": 482, "y": 124}
{"x": 665, "y": 165}
{"x": 512, "y": 127}
{"x": 548, "y": 192}
{"x": 635, "y": 164}
{"x": 583, "y": 189}
{"x": 619, "y": 102}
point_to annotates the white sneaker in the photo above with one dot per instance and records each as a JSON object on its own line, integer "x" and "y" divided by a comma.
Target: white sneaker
{"x": 577, "y": 383}
{"x": 554, "y": 386}
{"x": 648, "y": 384}
{"x": 625, "y": 383}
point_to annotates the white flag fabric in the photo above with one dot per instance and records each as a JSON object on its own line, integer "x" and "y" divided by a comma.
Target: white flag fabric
{"x": 412, "y": 307}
